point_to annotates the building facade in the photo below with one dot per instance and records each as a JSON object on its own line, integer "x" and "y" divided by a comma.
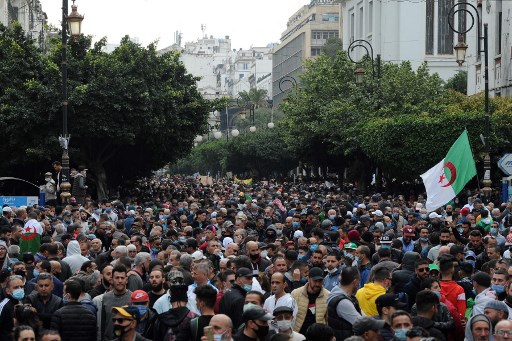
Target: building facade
{"x": 307, "y": 31}
{"x": 29, "y": 14}
{"x": 415, "y": 31}
{"x": 496, "y": 14}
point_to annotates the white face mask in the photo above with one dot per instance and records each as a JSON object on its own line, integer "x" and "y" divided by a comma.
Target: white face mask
{"x": 264, "y": 254}
{"x": 284, "y": 325}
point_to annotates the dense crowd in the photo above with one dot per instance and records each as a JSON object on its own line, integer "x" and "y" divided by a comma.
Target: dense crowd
{"x": 181, "y": 260}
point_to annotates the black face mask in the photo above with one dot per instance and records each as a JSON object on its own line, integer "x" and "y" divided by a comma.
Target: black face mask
{"x": 262, "y": 332}
{"x": 20, "y": 273}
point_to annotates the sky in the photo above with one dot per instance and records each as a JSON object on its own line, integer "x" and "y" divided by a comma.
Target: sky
{"x": 248, "y": 23}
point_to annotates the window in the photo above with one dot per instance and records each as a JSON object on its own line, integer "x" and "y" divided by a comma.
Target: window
{"x": 499, "y": 17}
{"x": 240, "y": 76}
{"x": 429, "y": 32}
{"x": 245, "y": 66}
{"x": 352, "y": 27}
{"x": 370, "y": 17}
{"x": 334, "y": 17}
{"x": 444, "y": 32}
{"x": 316, "y": 51}
{"x": 360, "y": 22}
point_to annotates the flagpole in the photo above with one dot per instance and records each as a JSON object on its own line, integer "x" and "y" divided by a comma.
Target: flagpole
{"x": 473, "y": 155}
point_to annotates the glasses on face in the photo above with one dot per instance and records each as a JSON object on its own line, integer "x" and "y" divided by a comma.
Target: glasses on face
{"x": 423, "y": 269}
{"x": 120, "y": 319}
{"x": 507, "y": 333}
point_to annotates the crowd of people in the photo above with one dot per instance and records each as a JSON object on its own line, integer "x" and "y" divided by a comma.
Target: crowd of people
{"x": 181, "y": 260}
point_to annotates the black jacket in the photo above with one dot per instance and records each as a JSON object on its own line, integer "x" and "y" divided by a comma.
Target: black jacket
{"x": 232, "y": 304}
{"x": 74, "y": 322}
{"x": 419, "y": 321}
{"x": 45, "y": 311}
{"x": 411, "y": 289}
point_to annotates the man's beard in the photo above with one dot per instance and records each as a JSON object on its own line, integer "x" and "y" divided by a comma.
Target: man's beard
{"x": 158, "y": 287}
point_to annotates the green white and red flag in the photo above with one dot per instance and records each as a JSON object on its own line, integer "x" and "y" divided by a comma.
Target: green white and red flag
{"x": 446, "y": 179}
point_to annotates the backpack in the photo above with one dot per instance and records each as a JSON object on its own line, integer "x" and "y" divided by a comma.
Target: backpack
{"x": 173, "y": 331}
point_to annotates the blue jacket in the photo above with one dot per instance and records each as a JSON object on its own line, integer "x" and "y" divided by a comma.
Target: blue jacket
{"x": 333, "y": 280}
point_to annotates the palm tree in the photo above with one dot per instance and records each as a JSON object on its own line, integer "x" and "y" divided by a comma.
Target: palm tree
{"x": 256, "y": 97}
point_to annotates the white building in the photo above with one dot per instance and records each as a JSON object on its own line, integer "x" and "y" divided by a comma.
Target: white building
{"x": 496, "y": 14}
{"x": 29, "y": 14}
{"x": 224, "y": 71}
{"x": 415, "y": 31}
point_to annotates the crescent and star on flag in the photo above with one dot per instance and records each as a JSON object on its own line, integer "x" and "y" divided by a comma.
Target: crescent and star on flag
{"x": 453, "y": 174}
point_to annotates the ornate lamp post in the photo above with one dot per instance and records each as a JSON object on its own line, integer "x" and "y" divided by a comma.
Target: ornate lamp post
{"x": 73, "y": 23}
{"x": 460, "y": 53}
{"x": 359, "y": 71}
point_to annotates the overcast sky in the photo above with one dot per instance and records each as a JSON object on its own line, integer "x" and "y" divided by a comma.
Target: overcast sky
{"x": 248, "y": 23}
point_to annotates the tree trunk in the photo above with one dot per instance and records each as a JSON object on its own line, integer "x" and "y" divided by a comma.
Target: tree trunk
{"x": 101, "y": 179}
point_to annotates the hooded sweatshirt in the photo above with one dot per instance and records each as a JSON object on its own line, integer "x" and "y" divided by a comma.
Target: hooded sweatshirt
{"x": 469, "y": 335}
{"x": 74, "y": 259}
{"x": 455, "y": 294}
{"x": 367, "y": 296}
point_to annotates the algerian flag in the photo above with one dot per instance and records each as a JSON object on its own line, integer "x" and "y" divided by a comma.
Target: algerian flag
{"x": 30, "y": 240}
{"x": 446, "y": 179}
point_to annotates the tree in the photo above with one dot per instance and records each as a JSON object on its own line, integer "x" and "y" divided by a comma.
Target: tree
{"x": 130, "y": 112}
{"x": 459, "y": 82}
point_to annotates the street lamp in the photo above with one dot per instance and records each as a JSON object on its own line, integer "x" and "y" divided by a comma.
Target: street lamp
{"x": 74, "y": 20}
{"x": 359, "y": 71}
{"x": 460, "y": 51}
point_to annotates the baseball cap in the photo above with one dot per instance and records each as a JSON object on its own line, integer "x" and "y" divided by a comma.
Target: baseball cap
{"x": 254, "y": 312}
{"x": 210, "y": 228}
{"x": 197, "y": 255}
{"x": 175, "y": 276}
{"x": 434, "y": 215}
{"x": 352, "y": 246}
{"x": 470, "y": 254}
{"x": 139, "y": 296}
{"x": 378, "y": 213}
{"x": 365, "y": 323}
{"x": 6, "y": 209}
{"x": 316, "y": 274}
{"x": 389, "y": 300}
{"x": 433, "y": 267}
{"x": 127, "y": 311}
{"x": 408, "y": 231}
{"x": 385, "y": 240}
{"x": 244, "y": 272}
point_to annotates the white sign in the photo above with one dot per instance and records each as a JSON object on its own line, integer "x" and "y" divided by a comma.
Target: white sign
{"x": 505, "y": 164}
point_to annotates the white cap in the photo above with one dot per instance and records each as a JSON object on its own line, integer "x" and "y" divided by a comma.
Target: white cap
{"x": 6, "y": 209}
{"x": 363, "y": 206}
{"x": 378, "y": 213}
{"x": 434, "y": 215}
{"x": 198, "y": 255}
{"x": 298, "y": 234}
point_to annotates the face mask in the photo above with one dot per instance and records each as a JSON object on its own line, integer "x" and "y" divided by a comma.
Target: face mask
{"x": 498, "y": 288}
{"x": 262, "y": 332}
{"x": 460, "y": 230}
{"x": 331, "y": 271}
{"x": 400, "y": 334}
{"x": 314, "y": 247}
{"x": 295, "y": 224}
{"x": 154, "y": 249}
{"x": 424, "y": 239}
{"x": 36, "y": 272}
{"x": 299, "y": 257}
{"x": 279, "y": 232}
{"x": 247, "y": 287}
{"x": 332, "y": 217}
{"x": 438, "y": 293}
{"x": 20, "y": 273}
{"x": 182, "y": 239}
{"x": 18, "y": 294}
{"x": 474, "y": 292}
{"x": 357, "y": 258}
{"x": 395, "y": 215}
{"x": 284, "y": 325}
{"x": 264, "y": 254}
{"x": 494, "y": 230}
{"x": 47, "y": 179}
{"x": 119, "y": 330}
{"x": 385, "y": 246}
{"x": 303, "y": 279}
{"x": 472, "y": 262}
{"x": 349, "y": 255}
{"x": 423, "y": 216}
{"x": 142, "y": 309}
{"x": 98, "y": 211}
{"x": 389, "y": 225}
{"x": 218, "y": 337}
